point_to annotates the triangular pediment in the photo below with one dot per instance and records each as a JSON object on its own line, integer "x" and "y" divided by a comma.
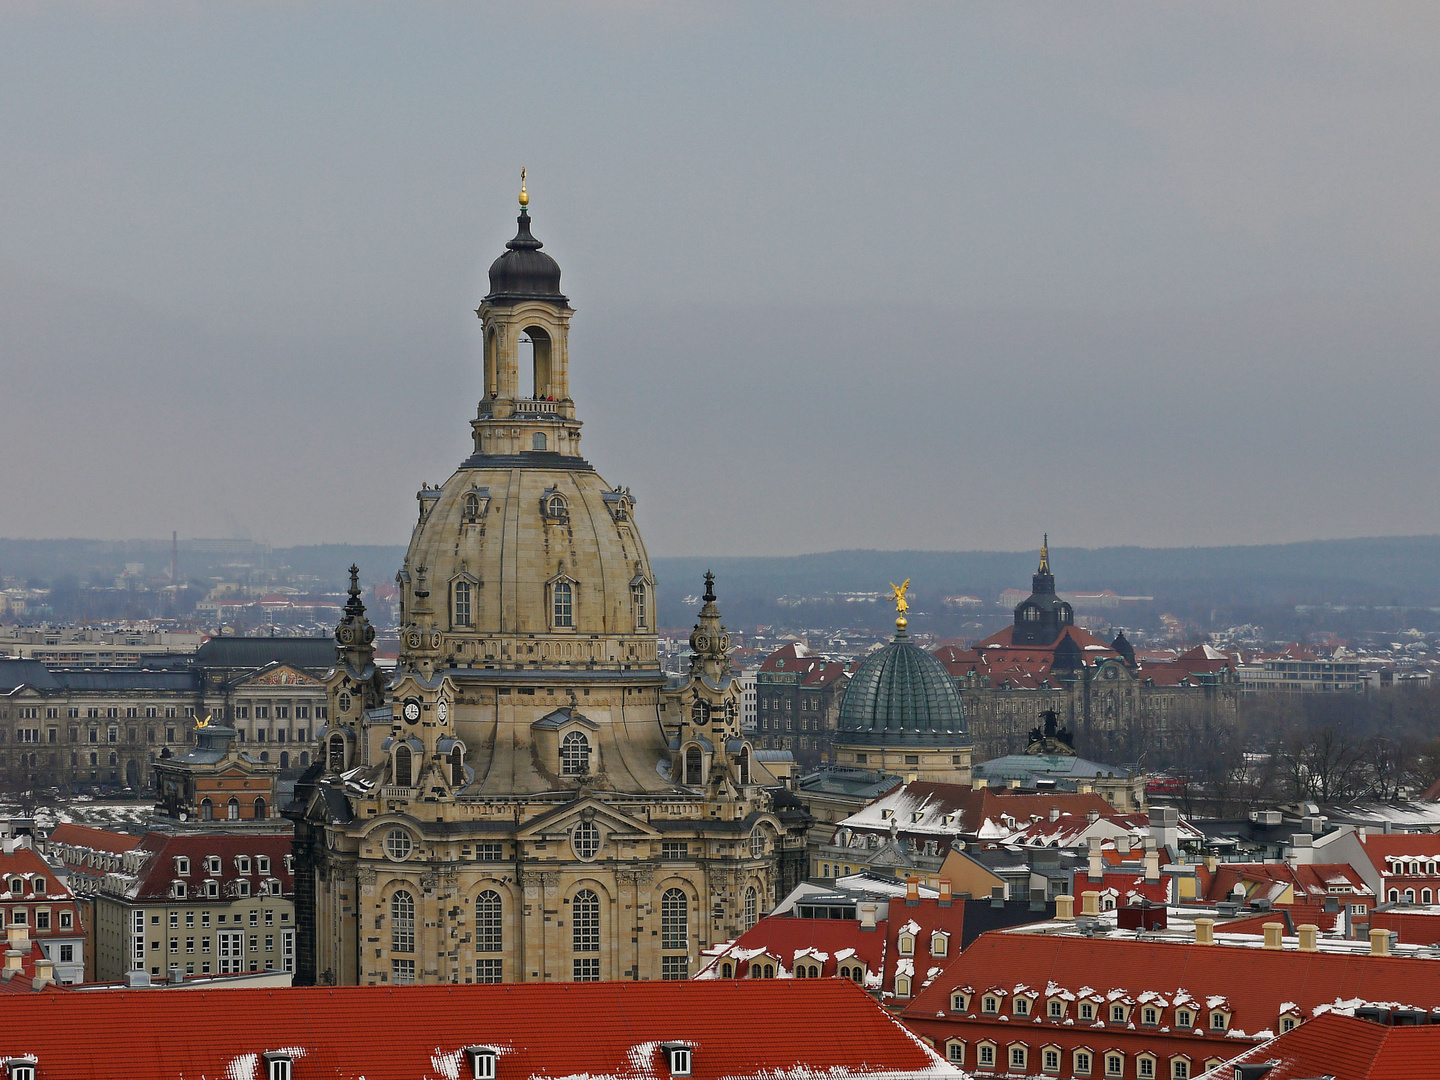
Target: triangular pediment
{"x": 278, "y": 674}
{"x": 559, "y": 821}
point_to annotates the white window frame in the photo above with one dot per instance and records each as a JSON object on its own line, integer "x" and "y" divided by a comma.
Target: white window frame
{"x": 279, "y": 1067}
{"x": 482, "y": 1062}
{"x": 679, "y": 1060}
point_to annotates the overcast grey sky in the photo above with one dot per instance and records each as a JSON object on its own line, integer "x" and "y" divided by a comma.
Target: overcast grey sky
{"x": 845, "y": 275}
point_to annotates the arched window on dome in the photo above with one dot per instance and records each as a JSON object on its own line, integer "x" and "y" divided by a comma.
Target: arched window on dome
{"x": 472, "y": 505}
{"x": 556, "y": 508}
{"x": 574, "y": 754}
{"x": 694, "y": 766}
{"x": 1030, "y": 613}
{"x": 457, "y": 766}
{"x": 460, "y": 594}
{"x": 1067, "y": 615}
{"x": 562, "y": 613}
{"x": 637, "y": 602}
{"x": 489, "y": 924}
{"x": 540, "y": 354}
{"x": 537, "y": 441}
{"x": 403, "y": 769}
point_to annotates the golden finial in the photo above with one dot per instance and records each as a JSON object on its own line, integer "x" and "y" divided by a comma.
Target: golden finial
{"x": 203, "y": 723}
{"x": 1045, "y": 555}
{"x": 524, "y": 195}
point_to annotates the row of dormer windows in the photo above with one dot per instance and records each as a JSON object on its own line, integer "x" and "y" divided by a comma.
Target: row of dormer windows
{"x": 15, "y": 884}
{"x": 1410, "y": 867}
{"x": 1018, "y": 1057}
{"x": 213, "y": 864}
{"x": 939, "y": 944}
{"x": 1092, "y": 1010}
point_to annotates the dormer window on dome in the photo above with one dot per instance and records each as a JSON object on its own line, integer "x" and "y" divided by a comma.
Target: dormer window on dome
{"x": 554, "y": 507}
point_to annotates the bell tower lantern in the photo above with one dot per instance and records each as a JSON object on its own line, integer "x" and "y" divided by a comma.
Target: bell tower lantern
{"x": 525, "y": 319}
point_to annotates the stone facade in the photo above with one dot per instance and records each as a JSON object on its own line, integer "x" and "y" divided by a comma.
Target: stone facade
{"x": 528, "y": 798}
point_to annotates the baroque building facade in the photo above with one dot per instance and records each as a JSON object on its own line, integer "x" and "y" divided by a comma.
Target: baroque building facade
{"x": 528, "y": 797}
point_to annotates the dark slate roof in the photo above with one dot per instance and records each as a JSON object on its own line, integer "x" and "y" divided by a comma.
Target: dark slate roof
{"x": 313, "y": 653}
{"x": 41, "y": 676}
{"x": 901, "y": 696}
{"x": 524, "y": 272}
{"x": 17, "y": 673}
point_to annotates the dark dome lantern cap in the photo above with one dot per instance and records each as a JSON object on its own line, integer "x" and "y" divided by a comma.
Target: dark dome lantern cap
{"x": 524, "y": 272}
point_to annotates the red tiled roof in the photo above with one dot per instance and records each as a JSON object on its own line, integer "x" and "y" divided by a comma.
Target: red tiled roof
{"x": 1269, "y": 880}
{"x": 784, "y": 937}
{"x": 1414, "y": 927}
{"x": 1347, "y": 1049}
{"x": 1379, "y": 847}
{"x": 735, "y": 1029}
{"x": 159, "y": 870}
{"x": 98, "y": 839}
{"x": 1254, "y": 983}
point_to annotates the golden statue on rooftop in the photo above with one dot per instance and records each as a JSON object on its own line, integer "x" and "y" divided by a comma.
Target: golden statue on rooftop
{"x": 203, "y": 723}
{"x": 524, "y": 195}
{"x": 901, "y": 604}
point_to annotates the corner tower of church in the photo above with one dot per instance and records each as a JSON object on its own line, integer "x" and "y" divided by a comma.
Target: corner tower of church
{"x": 526, "y": 797}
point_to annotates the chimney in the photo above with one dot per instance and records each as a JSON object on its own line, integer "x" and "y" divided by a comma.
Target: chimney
{"x": 945, "y": 895}
{"x": 18, "y": 937}
{"x": 177, "y": 975}
{"x": 1204, "y": 931}
{"x": 1090, "y": 903}
{"x": 912, "y": 892}
{"x": 1096, "y": 871}
{"x": 1083, "y": 789}
{"x": 1092, "y": 817}
{"x": 1274, "y": 931}
{"x": 1379, "y": 942}
{"x": 977, "y": 783}
{"x": 867, "y": 916}
{"x": 1065, "y": 908}
{"x": 44, "y": 973}
{"x": 1308, "y": 933}
{"x": 1054, "y": 813}
{"x": 1122, "y": 844}
{"x": 1212, "y": 863}
{"x": 1013, "y": 785}
{"x": 14, "y": 962}
{"x": 1152, "y": 865}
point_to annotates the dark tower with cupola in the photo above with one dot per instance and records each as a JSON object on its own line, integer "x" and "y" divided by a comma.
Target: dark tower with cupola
{"x": 1042, "y": 616}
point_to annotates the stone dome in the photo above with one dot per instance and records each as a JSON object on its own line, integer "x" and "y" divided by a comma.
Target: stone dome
{"x": 901, "y": 696}
{"x": 524, "y": 272}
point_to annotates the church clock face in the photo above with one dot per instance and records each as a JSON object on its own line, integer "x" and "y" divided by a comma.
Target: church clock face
{"x": 442, "y": 710}
{"x": 412, "y": 712}
{"x": 346, "y": 635}
{"x": 701, "y": 643}
{"x": 413, "y": 639}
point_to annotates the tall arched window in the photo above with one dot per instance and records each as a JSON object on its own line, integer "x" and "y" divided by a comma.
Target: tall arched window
{"x": 674, "y": 920}
{"x": 564, "y": 605}
{"x": 472, "y": 505}
{"x": 585, "y": 935}
{"x": 260, "y": 810}
{"x": 745, "y": 766}
{"x": 637, "y": 601}
{"x": 575, "y": 754}
{"x": 207, "y": 810}
{"x": 457, "y": 766}
{"x": 402, "y": 922}
{"x": 537, "y": 441}
{"x": 232, "y": 810}
{"x": 403, "y": 771}
{"x": 757, "y": 843}
{"x": 337, "y": 752}
{"x": 752, "y": 907}
{"x": 694, "y": 766}
{"x": 461, "y": 604}
{"x": 489, "y": 929}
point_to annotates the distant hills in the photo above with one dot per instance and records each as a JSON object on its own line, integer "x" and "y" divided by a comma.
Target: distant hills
{"x": 1371, "y": 572}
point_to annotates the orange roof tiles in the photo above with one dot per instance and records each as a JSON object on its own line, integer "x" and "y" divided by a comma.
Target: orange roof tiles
{"x": 614, "y": 1030}
{"x": 98, "y": 839}
{"x": 1348, "y": 1049}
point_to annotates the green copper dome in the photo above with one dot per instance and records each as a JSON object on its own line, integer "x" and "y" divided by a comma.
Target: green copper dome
{"x": 901, "y": 696}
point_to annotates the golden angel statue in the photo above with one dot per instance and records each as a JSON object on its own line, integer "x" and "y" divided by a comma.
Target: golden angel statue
{"x": 901, "y": 604}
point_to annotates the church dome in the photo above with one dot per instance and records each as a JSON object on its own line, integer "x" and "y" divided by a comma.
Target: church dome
{"x": 901, "y": 696}
{"x": 524, "y": 272}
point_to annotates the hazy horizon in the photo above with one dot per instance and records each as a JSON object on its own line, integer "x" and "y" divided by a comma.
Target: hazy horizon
{"x": 845, "y": 278}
